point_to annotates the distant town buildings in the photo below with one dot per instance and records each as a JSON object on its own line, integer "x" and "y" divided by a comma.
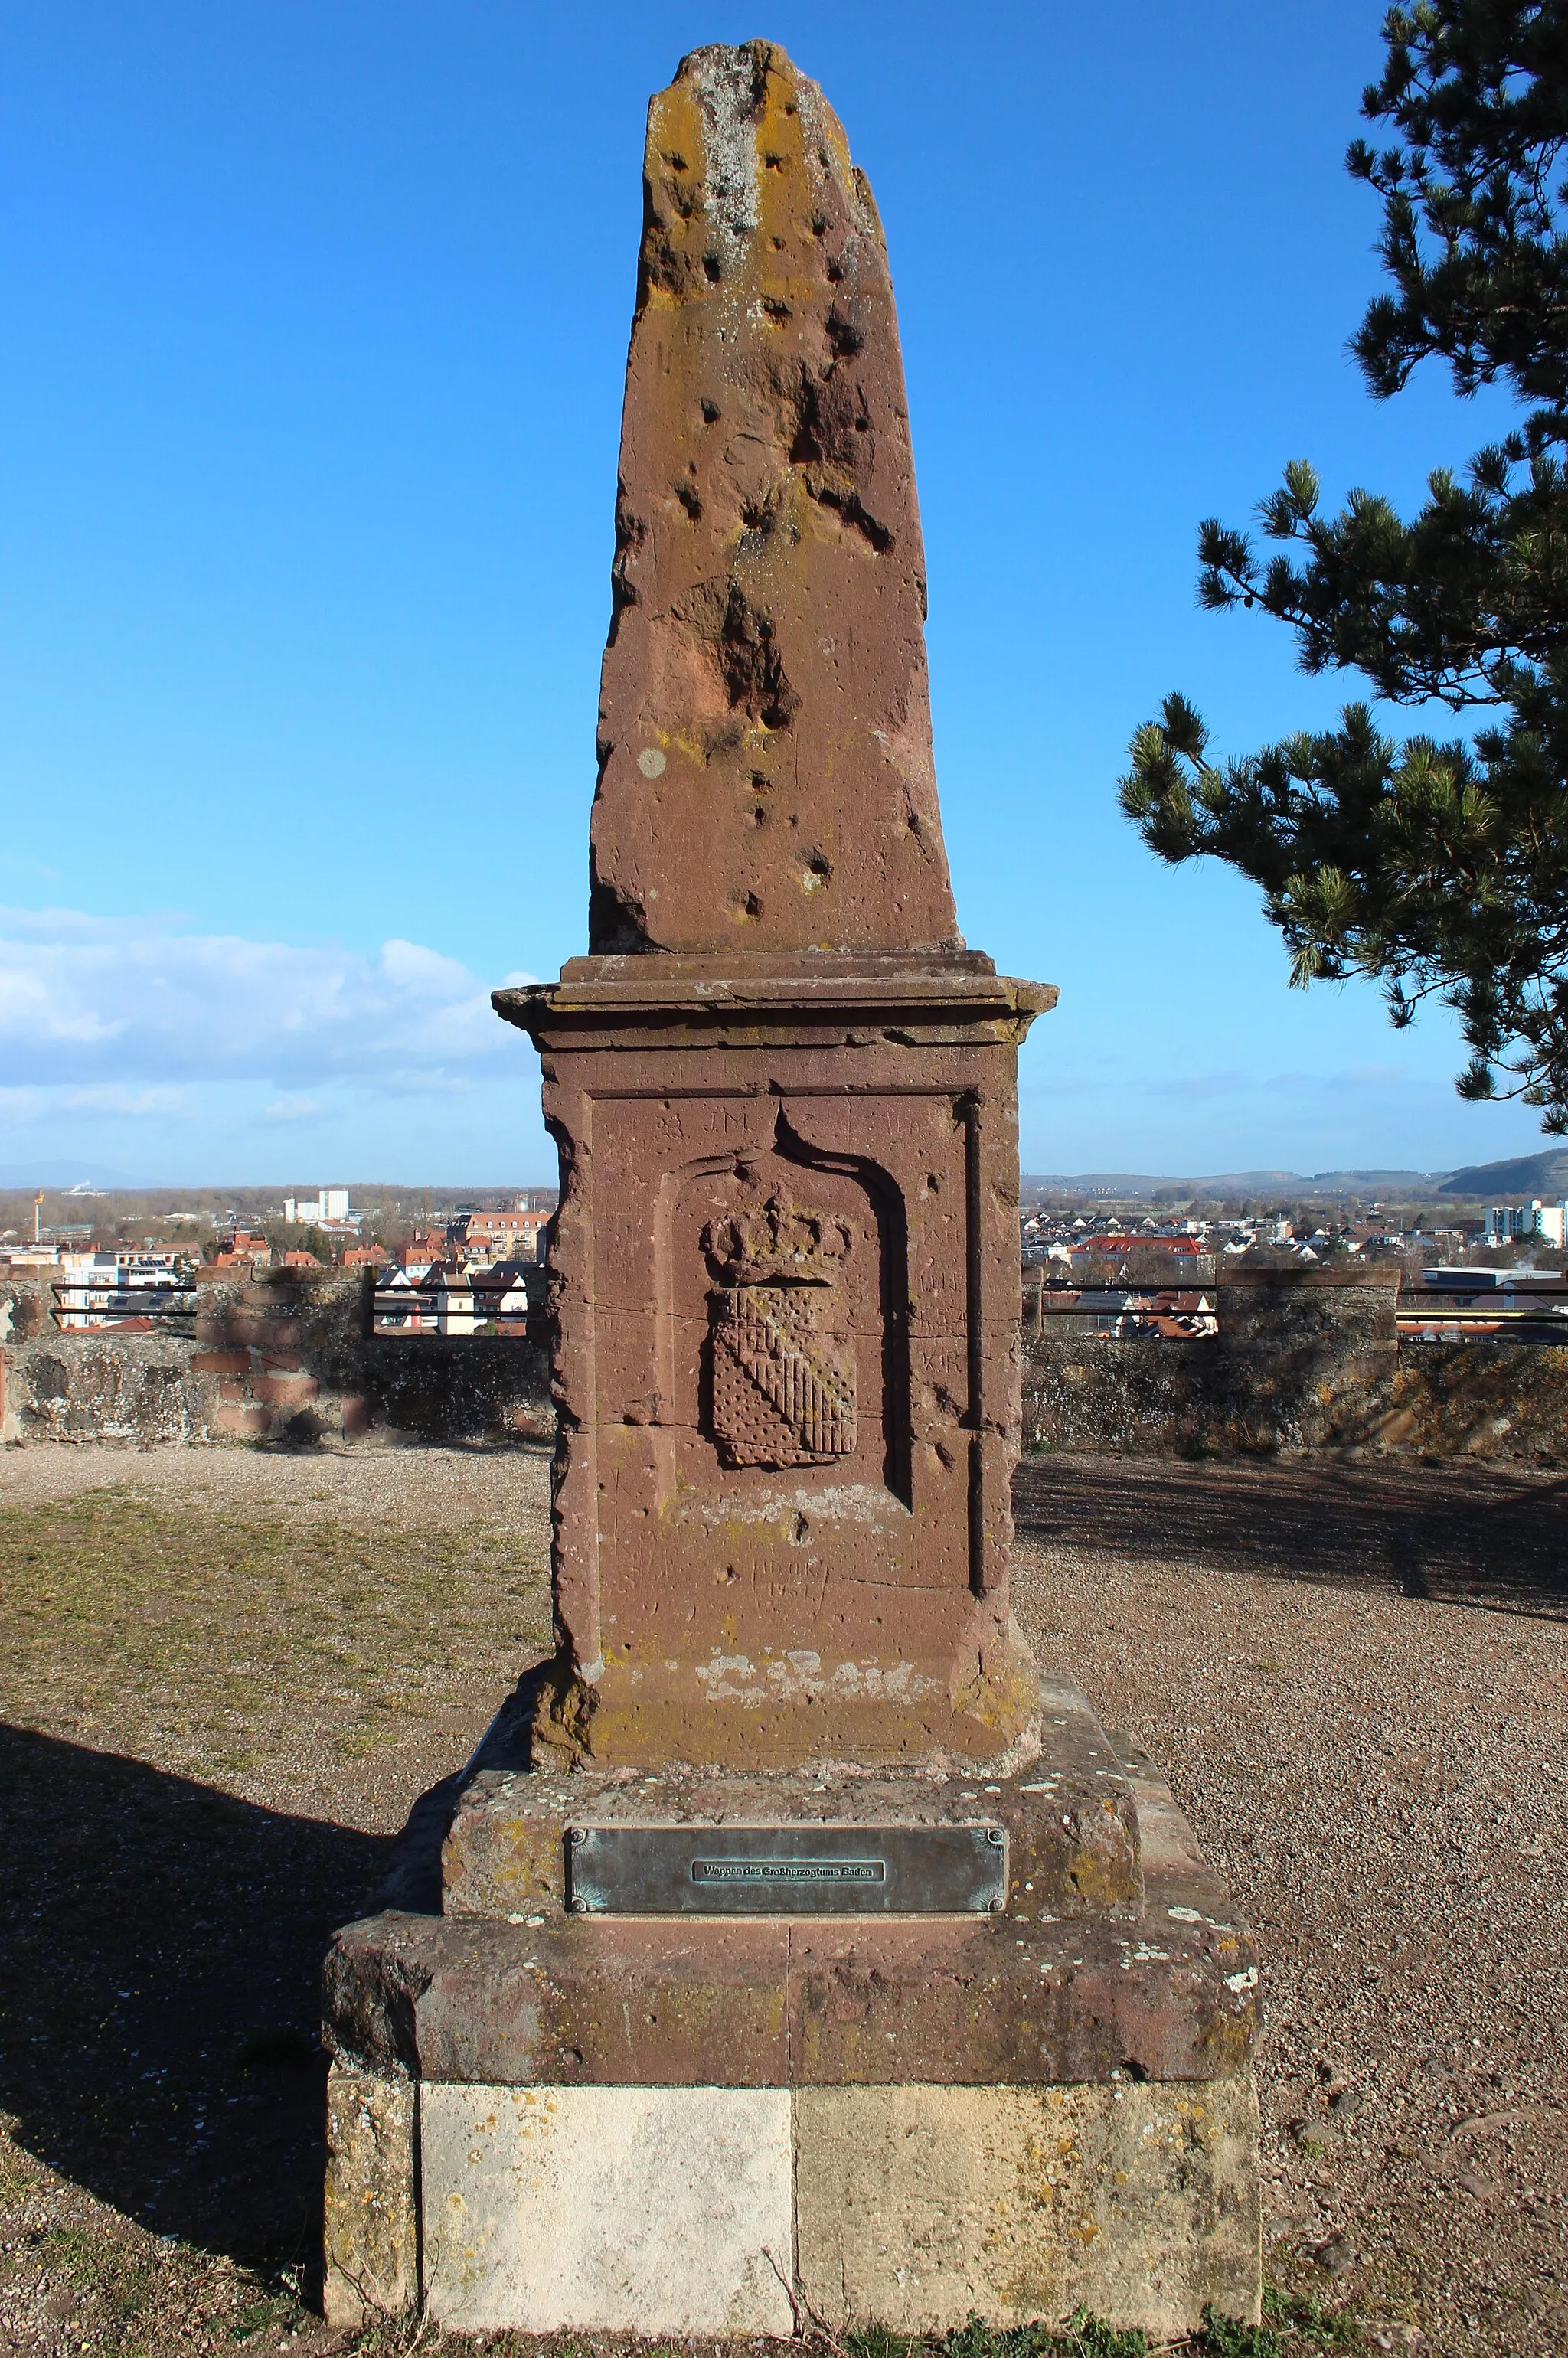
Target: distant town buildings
{"x": 1506, "y": 1222}
{"x": 490, "y": 1237}
{"x": 240, "y": 1249}
{"x": 475, "y": 1241}
{"x": 473, "y": 1275}
{"x": 426, "y": 1250}
{"x": 449, "y": 1301}
{"x": 117, "y": 1289}
{"x": 1196, "y": 1250}
{"x": 327, "y": 1207}
{"x": 464, "y": 1272}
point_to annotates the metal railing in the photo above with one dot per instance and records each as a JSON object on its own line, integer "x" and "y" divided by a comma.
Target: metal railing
{"x": 94, "y": 1305}
{"x": 1532, "y": 1311}
{"x": 468, "y": 1306}
{"x": 1447, "y": 1314}
{"x": 1177, "y": 1314}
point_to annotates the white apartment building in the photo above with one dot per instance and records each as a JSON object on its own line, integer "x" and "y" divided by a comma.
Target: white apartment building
{"x": 314, "y": 1211}
{"x": 1505, "y": 1222}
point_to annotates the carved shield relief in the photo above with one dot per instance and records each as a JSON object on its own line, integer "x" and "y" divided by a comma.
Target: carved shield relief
{"x": 782, "y": 1369}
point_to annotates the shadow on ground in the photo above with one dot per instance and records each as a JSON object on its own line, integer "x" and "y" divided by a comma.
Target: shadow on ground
{"x": 1460, "y": 1535}
{"x": 159, "y": 1986}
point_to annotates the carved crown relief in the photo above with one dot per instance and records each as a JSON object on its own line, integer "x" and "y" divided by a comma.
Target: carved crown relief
{"x": 782, "y": 1374}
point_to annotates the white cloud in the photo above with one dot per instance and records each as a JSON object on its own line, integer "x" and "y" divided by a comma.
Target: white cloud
{"x": 293, "y": 1109}
{"x": 88, "y": 1002}
{"x": 22, "y": 1104}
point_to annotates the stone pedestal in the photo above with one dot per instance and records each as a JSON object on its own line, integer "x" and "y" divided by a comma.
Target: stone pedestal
{"x": 668, "y": 2125}
{"x": 784, "y": 1277}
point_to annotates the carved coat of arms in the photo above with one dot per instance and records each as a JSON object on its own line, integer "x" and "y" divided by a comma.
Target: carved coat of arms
{"x": 782, "y": 1371}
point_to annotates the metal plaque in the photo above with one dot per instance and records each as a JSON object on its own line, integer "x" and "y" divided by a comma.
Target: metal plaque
{"x": 795, "y": 1870}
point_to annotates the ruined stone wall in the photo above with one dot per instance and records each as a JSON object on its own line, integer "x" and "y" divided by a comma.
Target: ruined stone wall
{"x": 289, "y": 1357}
{"x": 1305, "y": 1359}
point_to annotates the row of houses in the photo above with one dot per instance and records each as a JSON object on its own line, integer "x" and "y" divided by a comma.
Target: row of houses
{"x": 475, "y": 1241}
{"x": 495, "y": 1300}
{"x": 130, "y": 1288}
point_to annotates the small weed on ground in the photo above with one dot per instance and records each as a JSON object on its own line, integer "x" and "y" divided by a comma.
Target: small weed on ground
{"x": 1313, "y": 2324}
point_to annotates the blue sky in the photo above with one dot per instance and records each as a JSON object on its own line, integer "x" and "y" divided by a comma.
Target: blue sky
{"x": 316, "y": 313}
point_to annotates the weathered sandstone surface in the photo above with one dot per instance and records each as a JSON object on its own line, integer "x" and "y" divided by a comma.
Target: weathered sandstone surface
{"x": 765, "y": 770}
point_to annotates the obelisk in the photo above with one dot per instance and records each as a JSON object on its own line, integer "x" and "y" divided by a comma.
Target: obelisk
{"x": 800, "y": 1949}
{"x": 787, "y": 1261}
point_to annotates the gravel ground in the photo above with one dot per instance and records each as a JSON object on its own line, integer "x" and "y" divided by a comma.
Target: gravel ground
{"x": 224, "y": 1677}
{"x": 371, "y": 1486}
{"x": 1356, "y": 1683}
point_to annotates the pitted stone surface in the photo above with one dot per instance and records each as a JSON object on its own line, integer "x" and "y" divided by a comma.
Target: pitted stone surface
{"x": 765, "y": 769}
{"x": 371, "y": 2208}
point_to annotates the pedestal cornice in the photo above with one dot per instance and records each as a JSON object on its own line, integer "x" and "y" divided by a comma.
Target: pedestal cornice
{"x": 769, "y": 994}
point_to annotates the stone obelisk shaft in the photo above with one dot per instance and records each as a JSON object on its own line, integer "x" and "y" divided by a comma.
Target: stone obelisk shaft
{"x": 765, "y": 769}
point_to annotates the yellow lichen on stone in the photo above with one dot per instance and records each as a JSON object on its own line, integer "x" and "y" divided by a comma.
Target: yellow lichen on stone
{"x": 371, "y": 2230}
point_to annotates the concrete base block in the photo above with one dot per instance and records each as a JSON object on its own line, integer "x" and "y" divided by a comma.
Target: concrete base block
{"x": 918, "y": 2205}
{"x": 647, "y": 2210}
{"x": 372, "y": 2217}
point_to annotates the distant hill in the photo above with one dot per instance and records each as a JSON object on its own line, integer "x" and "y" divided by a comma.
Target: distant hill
{"x": 1138, "y": 1186}
{"x": 1381, "y": 1183}
{"x": 1145, "y": 1183}
{"x": 1527, "y": 1174}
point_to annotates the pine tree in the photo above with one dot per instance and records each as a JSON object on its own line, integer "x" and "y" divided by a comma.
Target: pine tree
{"x": 1440, "y": 868}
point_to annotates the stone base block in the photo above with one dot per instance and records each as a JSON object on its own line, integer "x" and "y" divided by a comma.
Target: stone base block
{"x": 371, "y": 2230}
{"x": 1070, "y": 1814}
{"x": 702, "y": 2209}
{"x": 646, "y": 2211}
{"x": 917, "y": 2207}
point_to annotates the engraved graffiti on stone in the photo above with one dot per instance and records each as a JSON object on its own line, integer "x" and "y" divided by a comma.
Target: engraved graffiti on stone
{"x": 782, "y": 1374}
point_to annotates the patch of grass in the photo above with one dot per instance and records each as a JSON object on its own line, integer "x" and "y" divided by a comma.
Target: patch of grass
{"x": 1292, "y": 2327}
{"x": 207, "y": 1641}
{"x": 258, "y": 2315}
{"x": 1082, "y": 2336}
{"x": 67, "y": 2252}
{"x": 1299, "y": 2316}
{"x": 1222, "y": 2337}
{"x": 880, "y": 2341}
